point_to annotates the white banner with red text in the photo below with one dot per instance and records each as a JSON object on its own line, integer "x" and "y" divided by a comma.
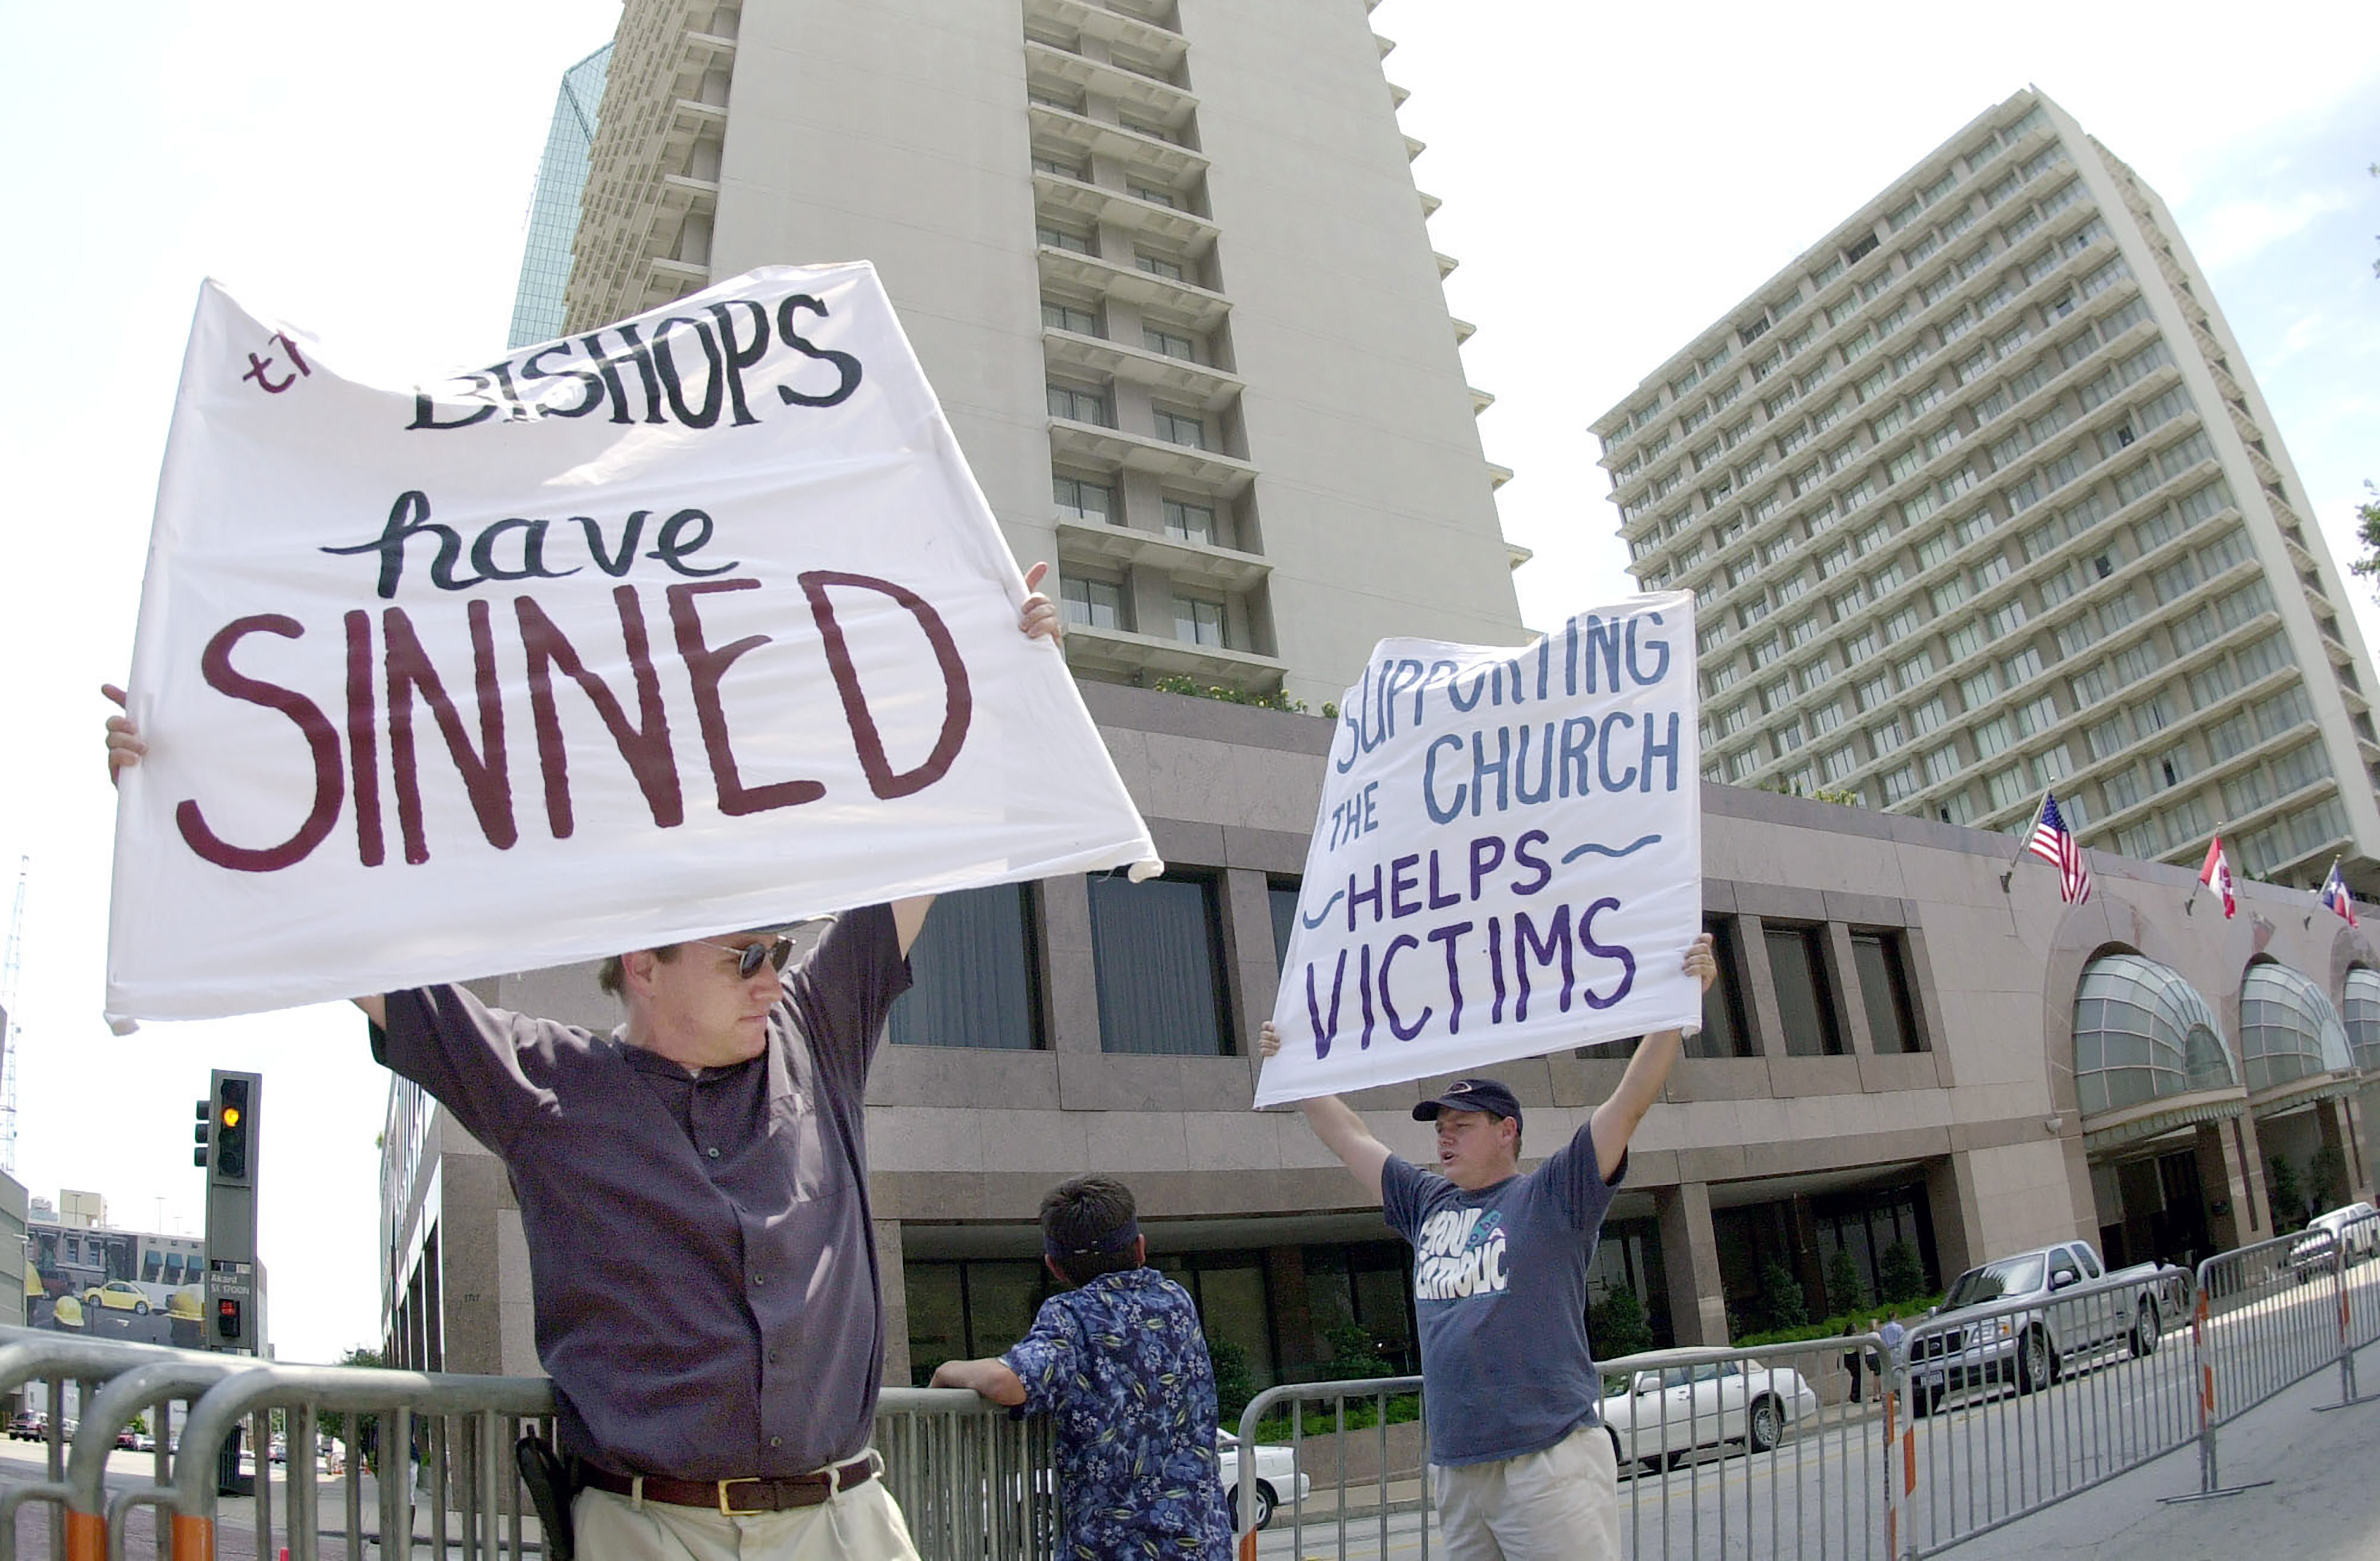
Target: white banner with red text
{"x": 694, "y": 622}
{"x": 1508, "y": 857}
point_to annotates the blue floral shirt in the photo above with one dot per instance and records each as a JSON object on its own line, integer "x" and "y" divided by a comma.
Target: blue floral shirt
{"x": 1122, "y": 1366}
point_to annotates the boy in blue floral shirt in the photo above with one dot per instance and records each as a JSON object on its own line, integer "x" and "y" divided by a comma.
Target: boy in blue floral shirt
{"x": 1121, "y": 1365}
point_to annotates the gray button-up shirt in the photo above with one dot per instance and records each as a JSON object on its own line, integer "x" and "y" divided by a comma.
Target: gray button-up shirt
{"x": 705, "y": 1269}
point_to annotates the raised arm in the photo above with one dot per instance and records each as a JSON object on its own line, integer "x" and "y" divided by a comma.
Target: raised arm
{"x": 1615, "y": 1120}
{"x": 1336, "y": 1125}
{"x": 126, "y": 748}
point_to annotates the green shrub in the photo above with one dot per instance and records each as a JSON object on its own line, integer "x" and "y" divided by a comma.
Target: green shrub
{"x": 1616, "y": 1325}
{"x": 1901, "y": 1277}
{"x": 1279, "y": 700}
{"x": 1781, "y": 1299}
{"x": 1846, "y": 1292}
{"x": 1234, "y": 1383}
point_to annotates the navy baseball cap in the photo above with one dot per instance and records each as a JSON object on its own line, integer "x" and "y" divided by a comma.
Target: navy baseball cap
{"x": 1472, "y": 1095}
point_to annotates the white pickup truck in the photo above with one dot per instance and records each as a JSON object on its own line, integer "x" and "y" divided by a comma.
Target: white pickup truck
{"x": 2030, "y": 1345}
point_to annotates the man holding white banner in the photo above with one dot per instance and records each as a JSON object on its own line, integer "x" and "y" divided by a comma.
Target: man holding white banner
{"x": 637, "y": 645}
{"x": 1475, "y": 801}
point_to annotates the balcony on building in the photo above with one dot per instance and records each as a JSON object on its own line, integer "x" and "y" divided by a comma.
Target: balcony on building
{"x": 1137, "y": 28}
{"x": 1071, "y": 272}
{"x": 1145, "y": 98}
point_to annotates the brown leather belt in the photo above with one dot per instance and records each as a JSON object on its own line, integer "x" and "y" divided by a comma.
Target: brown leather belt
{"x": 736, "y": 1497}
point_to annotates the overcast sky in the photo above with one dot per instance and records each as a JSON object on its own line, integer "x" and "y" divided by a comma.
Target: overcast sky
{"x": 1611, "y": 187}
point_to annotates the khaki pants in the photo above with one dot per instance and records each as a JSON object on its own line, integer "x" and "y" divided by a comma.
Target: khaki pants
{"x": 1559, "y": 1505}
{"x": 862, "y": 1524}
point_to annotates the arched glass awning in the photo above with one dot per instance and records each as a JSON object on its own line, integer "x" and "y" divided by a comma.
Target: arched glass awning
{"x": 2287, "y": 1029}
{"x": 2142, "y": 1033}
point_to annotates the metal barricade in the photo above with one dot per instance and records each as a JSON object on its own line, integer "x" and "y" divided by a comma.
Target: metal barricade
{"x": 2273, "y": 1314}
{"x": 2014, "y": 1406}
{"x": 453, "y": 1435}
{"x": 971, "y": 1481}
{"x": 1721, "y": 1452}
{"x": 116, "y": 1381}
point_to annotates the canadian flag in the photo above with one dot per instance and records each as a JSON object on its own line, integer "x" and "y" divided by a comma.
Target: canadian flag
{"x": 2216, "y": 875}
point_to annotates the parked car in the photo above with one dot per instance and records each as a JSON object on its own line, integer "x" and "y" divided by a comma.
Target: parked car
{"x": 1275, "y": 1470}
{"x": 2358, "y": 1224}
{"x": 2031, "y": 1348}
{"x": 1666, "y": 1415}
{"x": 120, "y": 1295}
{"x": 126, "y": 1440}
{"x": 31, "y": 1425}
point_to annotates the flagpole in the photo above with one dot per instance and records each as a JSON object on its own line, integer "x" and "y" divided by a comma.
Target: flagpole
{"x": 2017, "y": 858}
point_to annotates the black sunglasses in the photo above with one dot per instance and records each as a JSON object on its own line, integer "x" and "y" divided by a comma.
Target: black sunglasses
{"x": 776, "y": 951}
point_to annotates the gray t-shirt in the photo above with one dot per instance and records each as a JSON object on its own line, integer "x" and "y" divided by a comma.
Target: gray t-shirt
{"x": 699, "y": 1243}
{"x": 1500, "y": 1286}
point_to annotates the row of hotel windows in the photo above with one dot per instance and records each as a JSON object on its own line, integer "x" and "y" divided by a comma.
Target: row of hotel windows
{"x": 1852, "y": 248}
{"x": 1094, "y": 404}
{"x": 1159, "y": 953}
{"x": 1170, "y": 339}
{"x": 1199, "y": 521}
{"x": 1107, "y": 604}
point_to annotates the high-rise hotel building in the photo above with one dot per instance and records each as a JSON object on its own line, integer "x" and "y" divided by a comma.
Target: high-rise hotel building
{"x": 1170, "y": 282}
{"x": 1979, "y": 498}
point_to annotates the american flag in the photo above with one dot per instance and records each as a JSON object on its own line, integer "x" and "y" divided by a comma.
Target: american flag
{"x": 2053, "y": 841}
{"x": 2334, "y": 895}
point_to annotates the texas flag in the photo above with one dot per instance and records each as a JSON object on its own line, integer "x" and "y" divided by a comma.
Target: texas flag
{"x": 2334, "y": 895}
{"x": 2216, "y": 876}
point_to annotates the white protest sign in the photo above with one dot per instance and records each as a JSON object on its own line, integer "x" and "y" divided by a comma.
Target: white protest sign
{"x": 694, "y": 622}
{"x": 1508, "y": 857}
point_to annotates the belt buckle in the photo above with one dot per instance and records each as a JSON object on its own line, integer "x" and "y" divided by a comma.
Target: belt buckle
{"x": 728, "y": 1511}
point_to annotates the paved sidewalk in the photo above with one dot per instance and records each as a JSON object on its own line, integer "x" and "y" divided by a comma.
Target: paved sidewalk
{"x": 2323, "y": 1504}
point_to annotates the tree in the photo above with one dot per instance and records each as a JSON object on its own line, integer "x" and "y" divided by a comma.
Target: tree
{"x": 2288, "y": 1194}
{"x": 1846, "y": 1292}
{"x": 1900, "y": 1276}
{"x": 2326, "y": 1176}
{"x": 334, "y": 1423}
{"x": 1781, "y": 1298}
{"x": 1234, "y": 1383}
{"x": 1354, "y": 1354}
{"x": 1616, "y": 1324}
{"x": 2367, "y": 532}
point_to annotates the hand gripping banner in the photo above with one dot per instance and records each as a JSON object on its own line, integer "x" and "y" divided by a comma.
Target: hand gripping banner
{"x": 1508, "y": 857}
{"x": 694, "y": 622}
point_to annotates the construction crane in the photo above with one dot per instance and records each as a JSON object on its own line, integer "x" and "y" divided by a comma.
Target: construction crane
{"x": 9, "y": 1033}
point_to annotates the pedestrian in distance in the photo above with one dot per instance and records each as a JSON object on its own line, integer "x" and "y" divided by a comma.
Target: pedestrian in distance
{"x": 693, "y": 1188}
{"x": 1120, "y": 1364}
{"x": 1521, "y": 1469}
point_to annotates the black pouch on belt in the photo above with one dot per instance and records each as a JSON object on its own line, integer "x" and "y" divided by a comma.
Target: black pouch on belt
{"x": 549, "y": 1489}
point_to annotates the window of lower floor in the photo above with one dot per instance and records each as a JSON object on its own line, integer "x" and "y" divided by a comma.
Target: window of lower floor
{"x": 975, "y": 979}
{"x": 1157, "y": 953}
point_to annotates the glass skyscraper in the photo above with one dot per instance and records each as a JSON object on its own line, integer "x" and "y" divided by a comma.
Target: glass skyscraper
{"x": 553, "y": 209}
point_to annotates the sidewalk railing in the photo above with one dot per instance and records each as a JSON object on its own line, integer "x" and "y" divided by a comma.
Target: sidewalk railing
{"x": 1988, "y": 1415}
{"x": 2014, "y": 1406}
{"x": 972, "y": 1482}
{"x": 2275, "y": 1312}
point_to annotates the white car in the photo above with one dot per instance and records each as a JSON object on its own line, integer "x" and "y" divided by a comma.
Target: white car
{"x": 1666, "y": 1415}
{"x": 2310, "y": 1253}
{"x": 1276, "y": 1473}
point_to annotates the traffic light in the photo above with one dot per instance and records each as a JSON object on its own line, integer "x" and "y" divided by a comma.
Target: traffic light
{"x": 235, "y": 1127}
{"x": 201, "y": 1132}
{"x": 228, "y": 1320}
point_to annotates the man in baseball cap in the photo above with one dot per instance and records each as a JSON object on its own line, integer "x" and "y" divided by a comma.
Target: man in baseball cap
{"x": 1523, "y": 1471}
